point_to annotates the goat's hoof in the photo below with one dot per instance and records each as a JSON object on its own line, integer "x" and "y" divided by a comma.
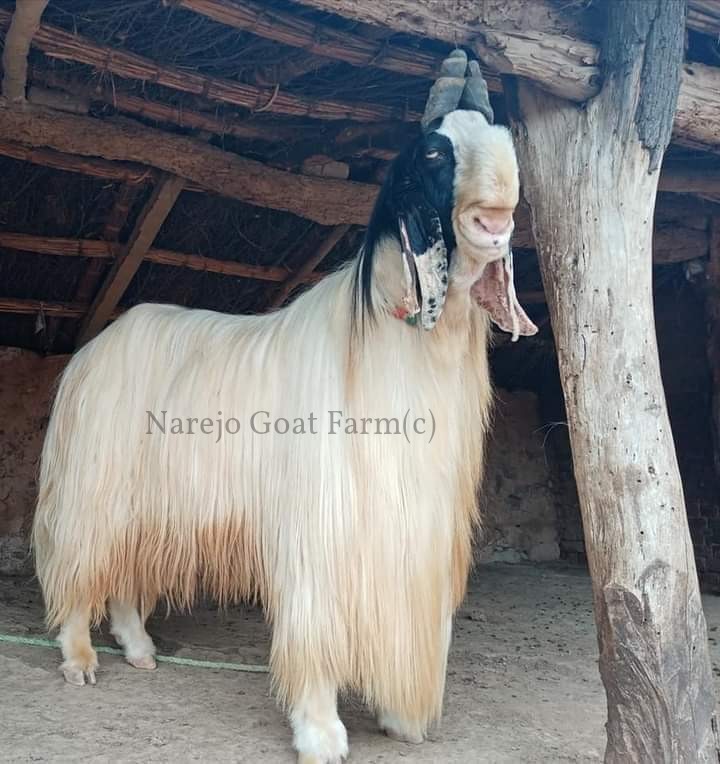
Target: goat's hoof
{"x": 146, "y": 662}
{"x": 77, "y": 676}
{"x": 404, "y": 737}
{"x": 400, "y": 730}
{"x": 311, "y": 758}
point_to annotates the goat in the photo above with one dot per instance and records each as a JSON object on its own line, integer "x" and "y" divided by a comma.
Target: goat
{"x": 358, "y": 547}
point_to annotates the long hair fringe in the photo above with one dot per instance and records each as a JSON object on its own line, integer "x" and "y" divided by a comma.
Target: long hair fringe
{"x": 357, "y": 546}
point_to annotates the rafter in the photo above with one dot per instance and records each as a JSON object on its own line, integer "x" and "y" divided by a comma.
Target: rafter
{"x": 331, "y": 43}
{"x": 230, "y": 124}
{"x": 57, "y": 43}
{"x": 467, "y": 19}
{"x": 125, "y": 266}
{"x": 536, "y": 41}
{"x": 48, "y": 308}
{"x": 326, "y": 201}
{"x": 124, "y": 172}
{"x": 103, "y": 251}
{"x": 300, "y": 142}
{"x": 306, "y": 270}
{"x": 87, "y": 286}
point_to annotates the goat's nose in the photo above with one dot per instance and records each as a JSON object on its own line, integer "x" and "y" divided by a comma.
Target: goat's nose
{"x": 493, "y": 221}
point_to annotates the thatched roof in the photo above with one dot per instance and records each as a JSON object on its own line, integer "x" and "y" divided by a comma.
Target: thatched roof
{"x": 124, "y": 92}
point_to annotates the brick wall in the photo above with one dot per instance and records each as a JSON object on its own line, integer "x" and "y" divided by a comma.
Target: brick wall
{"x": 519, "y": 495}
{"x": 521, "y": 511}
{"x": 686, "y": 375}
{"x": 26, "y": 383}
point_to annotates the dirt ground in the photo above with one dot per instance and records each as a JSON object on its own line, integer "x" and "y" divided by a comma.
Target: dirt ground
{"x": 522, "y": 685}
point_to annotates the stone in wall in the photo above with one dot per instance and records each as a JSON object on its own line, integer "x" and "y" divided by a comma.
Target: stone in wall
{"x": 26, "y": 386}
{"x": 518, "y": 499}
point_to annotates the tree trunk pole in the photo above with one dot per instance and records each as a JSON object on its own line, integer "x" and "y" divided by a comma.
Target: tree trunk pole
{"x": 590, "y": 176}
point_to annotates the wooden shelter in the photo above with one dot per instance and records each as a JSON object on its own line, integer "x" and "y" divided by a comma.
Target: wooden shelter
{"x": 224, "y": 153}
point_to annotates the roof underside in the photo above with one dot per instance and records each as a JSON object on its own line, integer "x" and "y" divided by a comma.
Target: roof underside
{"x": 44, "y": 202}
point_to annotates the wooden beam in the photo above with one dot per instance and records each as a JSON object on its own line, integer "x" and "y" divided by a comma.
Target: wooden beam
{"x": 90, "y": 280}
{"x": 104, "y": 250}
{"x": 458, "y": 22}
{"x": 539, "y": 42}
{"x": 697, "y": 117}
{"x": 568, "y": 68}
{"x": 321, "y": 39}
{"x": 594, "y": 243}
{"x": 695, "y": 177}
{"x": 228, "y": 124}
{"x": 325, "y": 200}
{"x": 712, "y": 314}
{"x": 129, "y": 260}
{"x": 122, "y": 172}
{"x": 672, "y": 244}
{"x": 704, "y": 16}
{"x": 57, "y": 43}
{"x": 307, "y": 268}
{"x": 304, "y": 141}
{"x": 462, "y": 22}
{"x": 24, "y": 24}
{"x": 55, "y": 309}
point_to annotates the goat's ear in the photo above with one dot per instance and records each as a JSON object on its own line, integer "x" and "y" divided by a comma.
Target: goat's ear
{"x": 425, "y": 258}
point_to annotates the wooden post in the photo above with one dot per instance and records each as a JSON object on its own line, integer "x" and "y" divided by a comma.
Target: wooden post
{"x": 590, "y": 176}
{"x": 23, "y": 26}
{"x": 117, "y": 281}
{"x": 712, "y": 312}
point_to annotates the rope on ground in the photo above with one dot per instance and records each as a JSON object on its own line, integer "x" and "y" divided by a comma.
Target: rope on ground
{"x": 195, "y": 663}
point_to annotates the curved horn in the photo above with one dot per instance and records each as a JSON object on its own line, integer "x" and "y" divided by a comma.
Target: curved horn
{"x": 475, "y": 95}
{"x": 448, "y": 88}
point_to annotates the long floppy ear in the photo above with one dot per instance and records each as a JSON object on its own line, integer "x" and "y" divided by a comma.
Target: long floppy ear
{"x": 425, "y": 261}
{"x": 495, "y": 291}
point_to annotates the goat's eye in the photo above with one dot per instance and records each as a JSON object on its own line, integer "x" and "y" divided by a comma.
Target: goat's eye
{"x": 433, "y": 154}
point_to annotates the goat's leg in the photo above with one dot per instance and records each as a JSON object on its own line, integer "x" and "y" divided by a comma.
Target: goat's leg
{"x": 400, "y": 728}
{"x": 80, "y": 660}
{"x": 318, "y": 734}
{"x": 129, "y": 631}
{"x": 400, "y": 724}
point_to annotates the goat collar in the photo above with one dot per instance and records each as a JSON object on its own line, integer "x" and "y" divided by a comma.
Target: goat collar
{"x": 402, "y": 313}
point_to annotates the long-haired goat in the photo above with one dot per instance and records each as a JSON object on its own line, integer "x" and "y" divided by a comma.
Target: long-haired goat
{"x": 357, "y": 546}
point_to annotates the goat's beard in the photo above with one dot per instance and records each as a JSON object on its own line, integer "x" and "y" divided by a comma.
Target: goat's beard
{"x": 495, "y": 292}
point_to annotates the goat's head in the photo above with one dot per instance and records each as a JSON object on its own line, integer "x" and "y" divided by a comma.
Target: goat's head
{"x": 452, "y": 192}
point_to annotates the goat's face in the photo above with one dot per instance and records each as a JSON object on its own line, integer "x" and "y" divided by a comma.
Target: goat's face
{"x": 452, "y": 193}
{"x": 485, "y": 183}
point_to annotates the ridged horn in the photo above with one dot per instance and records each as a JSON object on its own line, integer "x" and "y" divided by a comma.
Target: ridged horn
{"x": 445, "y": 94}
{"x": 475, "y": 95}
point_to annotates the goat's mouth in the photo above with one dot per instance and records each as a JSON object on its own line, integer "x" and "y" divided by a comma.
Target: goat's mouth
{"x": 484, "y": 246}
{"x": 495, "y": 292}
{"x": 486, "y": 231}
